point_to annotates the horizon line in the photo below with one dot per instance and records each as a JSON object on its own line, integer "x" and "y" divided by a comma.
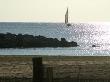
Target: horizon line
{"x": 95, "y": 22}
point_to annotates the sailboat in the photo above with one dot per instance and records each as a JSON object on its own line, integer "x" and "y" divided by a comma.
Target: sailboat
{"x": 66, "y": 19}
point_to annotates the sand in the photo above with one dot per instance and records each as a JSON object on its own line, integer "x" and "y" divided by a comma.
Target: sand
{"x": 83, "y": 67}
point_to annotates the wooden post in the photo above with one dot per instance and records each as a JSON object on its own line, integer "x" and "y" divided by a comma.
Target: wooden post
{"x": 37, "y": 69}
{"x": 49, "y": 74}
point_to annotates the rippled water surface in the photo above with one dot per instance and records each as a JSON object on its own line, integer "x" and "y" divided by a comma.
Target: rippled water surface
{"x": 85, "y": 34}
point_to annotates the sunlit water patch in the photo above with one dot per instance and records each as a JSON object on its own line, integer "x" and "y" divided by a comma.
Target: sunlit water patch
{"x": 85, "y": 34}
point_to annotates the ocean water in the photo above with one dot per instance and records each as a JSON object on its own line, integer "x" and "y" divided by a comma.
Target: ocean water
{"x": 85, "y": 34}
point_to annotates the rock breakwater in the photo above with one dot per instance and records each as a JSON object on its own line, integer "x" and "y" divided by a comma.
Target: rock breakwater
{"x": 9, "y": 40}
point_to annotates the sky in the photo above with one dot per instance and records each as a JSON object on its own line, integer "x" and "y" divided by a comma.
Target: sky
{"x": 54, "y": 10}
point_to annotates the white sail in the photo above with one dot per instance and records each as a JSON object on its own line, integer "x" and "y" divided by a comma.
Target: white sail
{"x": 66, "y": 17}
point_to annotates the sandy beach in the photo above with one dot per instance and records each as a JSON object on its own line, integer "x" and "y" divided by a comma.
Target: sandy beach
{"x": 83, "y": 67}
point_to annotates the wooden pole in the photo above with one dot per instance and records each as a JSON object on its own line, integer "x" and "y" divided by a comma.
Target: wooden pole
{"x": 37, "y": 69}
{"x": 49, "y": 74}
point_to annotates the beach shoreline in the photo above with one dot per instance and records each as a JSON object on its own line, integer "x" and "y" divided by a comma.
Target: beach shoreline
{"x": 48, "y": 57}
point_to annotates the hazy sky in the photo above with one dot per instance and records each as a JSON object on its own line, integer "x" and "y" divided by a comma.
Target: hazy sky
{"x": 54, "y": 10}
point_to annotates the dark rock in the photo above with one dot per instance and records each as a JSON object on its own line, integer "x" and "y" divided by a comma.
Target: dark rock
{"x": 93, "y": 45}
{"x": 9, "y": 40}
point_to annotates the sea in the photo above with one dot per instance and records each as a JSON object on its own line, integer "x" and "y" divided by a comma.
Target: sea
{"x": 85, "y": 34}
